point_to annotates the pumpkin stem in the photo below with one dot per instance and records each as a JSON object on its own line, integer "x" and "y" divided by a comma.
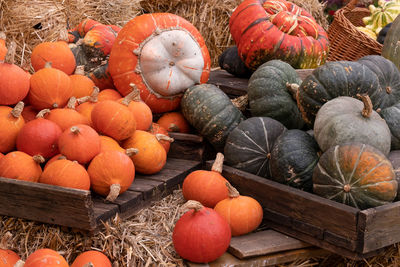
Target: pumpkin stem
{"x": 128, "y": 98}
{"x": 163, "y": 137}
{"x": 292, "y": 88}
{"x": 218, "y": 163}
{"x": 48, "y": 64}
{"x": 114, "y": 192}
{"x": 75, "y": 130}
{"x": 92, "y": 98}
{"x": 192, "y": 205}
{"x": 347, "y": 188}
{"x": 42, "y": 113}
{"x": 39, "y": 159}
{"x": 10, "y": 56}
{"x": 5, "y": 240}
{"x": 241, "y": 102}
{"x": 135, "y": 92}
{"x": 72, "y": 102}
{"x": 3, "y": 36}
{"x": 232, "y": 192}
{"x": 17, "y": 110}
{"x": 367, "y": 110}
{"x": 131, "y": 151}
{"x": 80, "y": 70}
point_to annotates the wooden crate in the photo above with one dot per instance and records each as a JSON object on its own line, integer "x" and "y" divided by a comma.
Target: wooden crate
{"x": 344, "y": 230}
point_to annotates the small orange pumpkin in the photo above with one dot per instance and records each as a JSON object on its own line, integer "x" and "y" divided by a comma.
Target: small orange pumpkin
{"x": 108, "y": 94}
{"x": 207, "y": 187}
{"x": 96, "y": 258}
{"x": 56, "y": 157}
{"x": 11, "y": 122}
{"x": 45, "y": 257}
{"x": 21, "y": 166}
{"x": 108, "y": 143}
{"x": 8, "y": 258}
{"x": 99, "y": 40}
{"x": 174, "y": 122}
{"x": 111, "y": 173}
{"x": 81, "y": 84}
{"x": 86, "y": 25}
{"x": 162, "y": 135}
{"x": 87, "y": 103}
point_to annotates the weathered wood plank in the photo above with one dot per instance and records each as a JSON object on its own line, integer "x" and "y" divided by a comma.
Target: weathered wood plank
{"x": 228, "y": 83}
{"x": 263, "y": 243}
{"x": 46, "y": 203}
{"x": 192, "y": 138}
{"x": 103, "y": 211}
{"x": 148, "y": 188}
{"x": 128, "y": 201}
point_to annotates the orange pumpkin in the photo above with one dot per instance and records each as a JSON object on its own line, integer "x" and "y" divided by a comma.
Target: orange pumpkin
{"x": 244, "y": 214}
{"x": 108, "y": 143}
{"x": 113, "y": 119}
{"x": 111, "y": 173}
{"x": 101, "y": 76}
{"x": 86, "y": 105}
{"x": 14, "y": 81}
{"x": 79, "y": 142}
{"x": 29, "y": 113}
{"x": 162, "y": 135}
{"x": 108, "y": 94}
{"x": 11, "y": 122}
{"x": 174, "y": 122}
{"x": 56, "y": 157}
{"x": 21, "y": 166}
{"x": 3, "y": 48}
{"x": 8, "y": 258}
{"x": 151, "y": 156}
{"x": 99, "y": 40}
{"x": 96, "y": 258}
{"x": 66, "y": 173}
{"x": 45, "y": 257}
{"x": 207, "y": 187}
{"x": 50, "y": 88}
{"x": 81, "y": 84}
{"x": 86, "y": 25}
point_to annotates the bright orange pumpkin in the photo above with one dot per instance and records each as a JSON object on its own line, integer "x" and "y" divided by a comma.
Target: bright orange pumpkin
{"x": 81, "y": 84}
{"x": 108, "y": 143}
{"x": 174, "y": 122}
{"x": 86, "y": 25}
{"x": 56, "y": 157}
{"x": 11, "y": 122}
{"x": 21, "y": 166}
{"x": 8, "y": 258}
{"x": 162, "y": 135}
{"x": 86, "y": 105}
{"x": 45, "y": 257}
{"x": 96, "y": 258}
{"x": 108, "y": 94}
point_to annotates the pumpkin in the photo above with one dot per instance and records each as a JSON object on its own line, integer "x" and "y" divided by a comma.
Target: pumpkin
{"x": 11, "y": 122}
{"x": 108, "y": 94}
{"x": 346, "y": 120}
{"x": 8, "y": 258}
{"x": 277, "y": 29}
{"x": 54, "y": 158}
{"x": 81, "y": 84}
{"x": 230, "y": 61}
{"x": 162, "y": 135}
{"x": 248, "y": 147}
{"x": 391, "y": 115}
{"x": 113, "y": 119}
{"x": 107, "y": 143}
{"x": 98, "y": 41}
{"x": 3, "y": 47}
{"x": 201, "y": 235}
{"x": 151, "y": 156}
{"x": 86, "y": 25}
{"x": 96, "y": 258}
{"x": 207, "y": 187}
{"x": 394, "y": 158}
{"x": 169, "y": 55}
{"x": 29, "y": 113}
{"x": 101, "y": 76}
{"x": 210, "y": 111}
{"x": 111, "y": 173}
{"x": 384, "y": 13}
{"x": 14, "y": 81}
{"x": 382, "y": 33}
{"x": 39, "y": 137}
{"x": 270, "y": 93}
{"x": 79, "y": 142}
{"x": 243, "y": 214}
{"x": 174, "y": 122}
{"x": 66, "y": 173}
{"x": 390, "y": 47}
{"x": 49, "y": 256}
{"x": 355, "y": 174}
{"x": 86, "y": 105}
{"x": 21, "y": 166}
{"x": 50, "y": 88}
{"x": 293, "y": 158}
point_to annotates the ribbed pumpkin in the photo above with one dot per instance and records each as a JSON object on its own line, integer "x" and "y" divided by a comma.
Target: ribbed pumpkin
{"x": 248, "y": 147}
{"x": 66, "y": 173}
{"x": 207, "y": 187}
{"x": 394, "y": 158}
{"x": 101, "y": 77}
{"x": 96, "y": 258}
{"x": 14, "y": 81}
{"x": 270, "y": 94}
{"x": 99, "y": 40}
{"x": 243, "y": 214}
{"x": 113, "y": 119}
{"x": 11, "y": 122}
{"x": 81, "y": 85}
{"x": 293, "y": 158}
{"x": 79, "y": 142}
{"x": 355, "y": 174}
{"x": 109, "y": 94}
{"x": 346, "y": 120}
{"x": 390, "y": 49}
{"x": 277, "y": 29}
{"x": 151, "y": 156}
{"x": 111, "y": 173}
{"x": 174, "y": 122}
{"x": 201, "y": 235}
{"x": 50, "y": 257}
{"x": 21, "y": 166}
{"x": 162, "y": 54}
{"x": 39, "y": 137}
{"x": 50, "y": 88}
{"x": 162, "y": 135}
{"x": 210, "y": 111}
{"x": 391, "y": 115}
{"x": 108, "y": 143}
{"x": 8, "y": 258}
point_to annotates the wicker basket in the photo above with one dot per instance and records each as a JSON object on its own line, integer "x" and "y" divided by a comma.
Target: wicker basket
{"x": 346, "y": 42}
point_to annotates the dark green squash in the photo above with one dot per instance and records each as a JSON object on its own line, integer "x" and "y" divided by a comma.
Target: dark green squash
{"x": 391, "y": 46}
{"x": 210, "y": 111}
{"x": 230, "y": 61}
{"x": 270, "y": 93}
{"x": 293, "y": 158}
{"x": 382, "y": 33}
{"x": 394, "y": 158}
{"x": 249, "y": 145}
{"x": 355, "y": 174}
{"x": 392, "y": 117}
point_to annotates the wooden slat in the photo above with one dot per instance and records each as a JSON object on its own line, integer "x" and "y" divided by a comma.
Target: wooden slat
{"x": 231, "y": 85}
{"x": 47, "y": 203}
{"x": 148, "y": 188}
{"x": 379, "y": 227}
{"x": 192, "y": 138}
{"x": 263, "y": 243}
{"x": 103, "y": 211}
{"x": 128, "y": 201}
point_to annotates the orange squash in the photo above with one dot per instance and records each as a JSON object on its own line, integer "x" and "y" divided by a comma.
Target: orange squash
{"x": 108, "y": 143}
{"x": 56, "y": 157}
{"x": 50, "y": 257}
{"x": 96, "y": 258}
{"x": 3, "y": 47}
{"x": 207, "y": 187}
{"x": 81, "y": 84}
{"x": 162, "y": 135}
{"x": 86, "y": 25}
{"x": 87, "y": 103}
{"x": 29, "y": 113}
{"x": 108, "y": 94}
{"x": 174, "y": 122}
{"x": 21, "y": 166}
{"x": 11, "y": 122}
{"x": 8, "y": 258}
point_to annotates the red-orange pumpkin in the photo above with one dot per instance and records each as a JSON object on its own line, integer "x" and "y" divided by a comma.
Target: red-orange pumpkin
{"x": 86, "y": 25}
{"x": 81, "y": 85}
{"x": 109, "y": 94}
{"x": 50, "y": 257}
{"x": 101, "y": 77}
{"x": 79, "y": 142}
{"x": 207, "y": 187}
{"x": 11, "y": 122}
{"x": 111, "y": 173}
{"x": 201, "y": 235}
{"x": 99, "y": 40}
{"x": 174, "y": 122}
{"x": 21, "y": 166}
{"x": 29, "y": 113}
{"x": 162, "y": 54}
{"x": 8, "y": 258}
{"x": 66, "y": 173}
{"x": 96, "y": 258}
{"x": 162, "y": 135}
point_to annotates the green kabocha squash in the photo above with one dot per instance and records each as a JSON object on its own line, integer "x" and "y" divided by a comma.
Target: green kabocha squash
{"x": 392, "y": 117}
{"x": 210, "y": 111}
{"x": 391, "y": 46}
{"x": 394, "y": 158}
{"x": 230, "y": 61}
{"x": 293, "y": 158}
{"x": 270, "y": 93}
{"x": 347, "y": 120}
{"x": 355, "y": 174}
{"x": 248, "y": 146}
